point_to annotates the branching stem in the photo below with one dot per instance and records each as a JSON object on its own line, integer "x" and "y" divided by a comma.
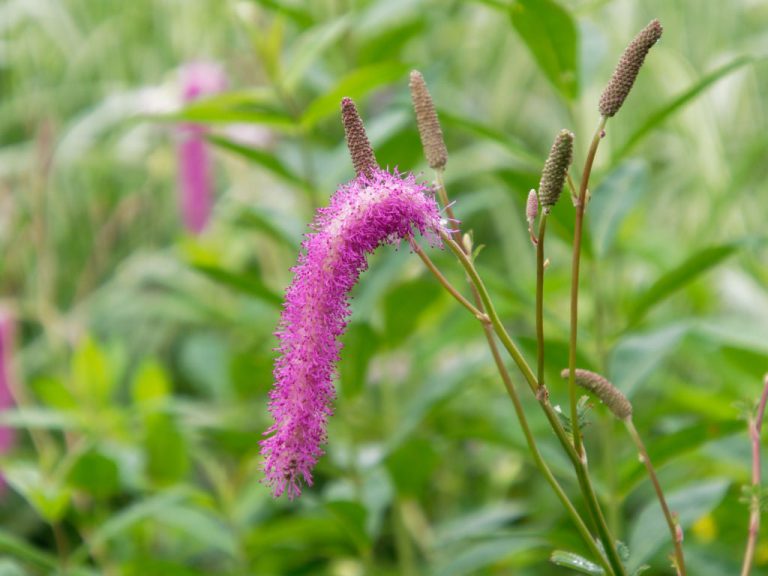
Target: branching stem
{"x": 674, "y": 529}
{"x": 755, "y": 427}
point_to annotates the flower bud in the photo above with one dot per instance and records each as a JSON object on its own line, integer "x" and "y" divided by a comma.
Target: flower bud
{"x": 428, "y": 123}
{"x": 626, "y": 71}
{"x": 531, "y": 207}
{"x": 603, "y": 389}
{"x": 363, "y": 158}
{"x": 555, "y": 169}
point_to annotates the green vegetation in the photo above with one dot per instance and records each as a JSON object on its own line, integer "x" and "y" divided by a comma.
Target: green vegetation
{"x": 143, "y": 353}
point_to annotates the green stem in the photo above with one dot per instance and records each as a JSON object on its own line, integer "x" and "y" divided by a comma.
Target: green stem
{"x": 577, "y": 235}
{"x": 539, "y": 460}
{"x": 481, "y": 297}
{"x": 671, "y": 523}
{"x": 540, "y": 298}
{"x": 578, "y": 462}
{"x": 755, "y": 426}
{"x": 446, "y": 284}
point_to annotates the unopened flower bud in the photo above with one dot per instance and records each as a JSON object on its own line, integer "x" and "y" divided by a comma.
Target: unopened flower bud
{"x": 555, "y": 169}
{"x": 603, "y": 389}
{"x": 429, "y": 126}
{"x": 531, "y": 207}
{"x": 626, "y": 71}
{"x": 363, "y": 158}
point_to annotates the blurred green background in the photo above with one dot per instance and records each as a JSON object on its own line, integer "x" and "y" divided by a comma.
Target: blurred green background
{"x": 143, "y": 353}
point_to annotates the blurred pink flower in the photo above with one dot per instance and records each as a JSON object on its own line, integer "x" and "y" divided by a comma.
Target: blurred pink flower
{"x": 198, "y": 79}
{"x": 7, "y": 435}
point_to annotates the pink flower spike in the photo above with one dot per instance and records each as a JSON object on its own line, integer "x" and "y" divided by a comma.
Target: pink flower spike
{"x": 375, "y": 209}
{"x": 7, "y": 435}
{"x": 198, "y": 79}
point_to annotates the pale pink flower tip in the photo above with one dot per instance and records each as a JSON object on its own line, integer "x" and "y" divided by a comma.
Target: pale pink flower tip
{"x": 375, "y": 209}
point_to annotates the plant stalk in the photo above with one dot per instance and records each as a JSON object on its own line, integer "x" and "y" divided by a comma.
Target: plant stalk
{"x": 540, "y": 298}
{"x": 577, "y": 236}
{"x": 579, "y": 463}
{"x": 674, "y": 529}
{"x": 755, "y": 427}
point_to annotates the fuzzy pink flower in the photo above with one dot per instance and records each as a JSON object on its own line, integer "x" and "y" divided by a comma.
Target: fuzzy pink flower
{"x": 198, "y": 79}
{"x": 375, "y": 209}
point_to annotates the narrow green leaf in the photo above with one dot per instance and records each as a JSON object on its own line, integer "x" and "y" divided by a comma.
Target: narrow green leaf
{"x": 254, "y": 107}
{"x": 265, "y": 159}
{"x": 690, "y": 503}
{"x": 310, "y": 46}
{"x": 668, "y": 447}
{"x": 575, "y": 562}
{"x": 166, "y": 450}
{"x": 284, "y": 228}
{"x": 550, "y": 33}
{"x": 301, "y": 16}
{"x": 669, "y": 109}
{"x": 636, "y": 356}
{"x": 688, "y": 271}
{"x": 18, "y": 548}
{"x": 125, "y": 519}
{"x": 360, "y": 343}
{"x": 514, "y": 145}
{"x": 245, "y": 283}
{"x": 95, "y": 473}
{"x": 355, "y": 84}
{"x": 612, "y": 200}
{"x": 405, "y": 305}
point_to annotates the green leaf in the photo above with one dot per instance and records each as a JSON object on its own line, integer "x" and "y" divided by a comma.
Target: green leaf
{"x": 636, "y": 356}
{"x": 650, "y": 530}
{"x": 685, "y": 273}
{"x": 202, "y": 526}
{"x": 355, "y": 85}
{"x": 166, "y": 450}
{"x": 360, "y": 344}
{"x": 242, "y": 282}
{"x": 11, "y": 568}
{"x": 411, "y": 466}
{"x": 471, "y": 559}
{"x": 150, "y": 385}
{"x": 575, "y": 562}
{"x": 94, "y": 373}
{"x": 550, "y": 33}
{"x": 310, "y": 46}
{"x": 612, "y": 200}
{"x": 405, "y": 305}
{"x": 266, "y": 160}
{"x": 253, "y": 107}
{"x": 515, "y": 146}
{"x": 127, "y": 518}
{"x": 671, "y": 446}
{"x": 14, "y": 546}
{"x": 280, "y": 227}
{"x": 96, "y": 474}
{"x": 45, "y": 494}
{"x": 668, "y": 110}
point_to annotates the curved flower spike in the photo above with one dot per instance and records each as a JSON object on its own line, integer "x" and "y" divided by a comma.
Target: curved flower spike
{"x": 373, "y": 209}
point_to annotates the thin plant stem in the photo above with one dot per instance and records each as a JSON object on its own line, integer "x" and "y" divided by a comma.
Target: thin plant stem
{"x": 540, "y": 298}
{"x": 482, "y": 300}
{"x": 446, "y": 284}
{"x": 577, "y": 235}
{"x": 539, "y": 460}
{"x": 677, "y": 537}
{"x": 62, "y": 546}
{"x": 579, "y": 462}
{"x": 755, "y": 427}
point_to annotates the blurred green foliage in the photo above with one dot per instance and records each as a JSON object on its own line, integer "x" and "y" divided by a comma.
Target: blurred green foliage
{"x": 144, "y": 355}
